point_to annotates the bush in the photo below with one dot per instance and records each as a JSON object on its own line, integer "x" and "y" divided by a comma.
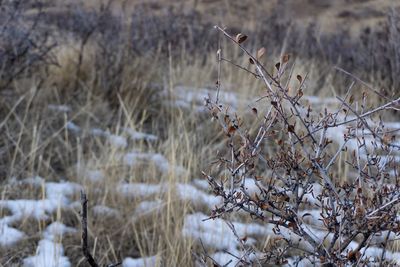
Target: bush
{"x": 294, "y": 155}
{"x": 25, "y": 44}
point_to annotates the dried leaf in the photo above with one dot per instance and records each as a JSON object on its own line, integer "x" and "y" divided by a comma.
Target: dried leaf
{"x": 231, "y": 130}
{"x": 240, "y": 38}
{"x": 299, "y": 78}
{"x": 292, "y": 225}
{"x": 261, "y": 52}
{"x": 256, "y": 197}
{"x": 285, "y": 58}
{"x": 353, "y": 255}
{"x": 227, "y": 120}
{"x": 351, "y": 100}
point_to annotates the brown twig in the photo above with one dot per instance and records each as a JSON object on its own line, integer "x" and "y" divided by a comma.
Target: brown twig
{"x": 85, "y": 248}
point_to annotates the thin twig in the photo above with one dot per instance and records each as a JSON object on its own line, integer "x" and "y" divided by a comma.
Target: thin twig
{"x": 85, "y": 248}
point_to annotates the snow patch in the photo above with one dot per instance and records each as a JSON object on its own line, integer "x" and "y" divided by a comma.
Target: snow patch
{"x": 184, "y": 192}
{"x": 148, "y": 206}
{"x": 60, "y": 108}
{"x": 138, "y": 189}
{"x": 134, "y": 158}
{"x": 102, "y": 210}
{"x": 215, "y": 233}
{"x": 134, "y": 135}
{"x": 56, "y": 230}
{"x": 196, "y": 196}
{"x": 118, "y": 141}
{"x": 140, "y": 262}
{"x": 73, "y": 127}
{"x": 48, "y": 254}
{"x": 95, "y": 175}
{"x": 9, "y": 236}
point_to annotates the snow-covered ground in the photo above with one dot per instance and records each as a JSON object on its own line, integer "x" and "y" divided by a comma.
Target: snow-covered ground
{"x": 215, "y": 234}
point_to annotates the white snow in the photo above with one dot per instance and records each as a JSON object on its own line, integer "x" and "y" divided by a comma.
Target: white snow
{"x": 73, "y": 127}
{"x": 215, "y": 233}
{"x": 140, "y": 262}
{"x": 48, "y": 254}
{"x": 315, "y": 100}
{"x": 35, "y": 181}
{"x": 162, "y": 164}
{"x": 251, "y": 186}
{"x": 9, "y": 236}
{"x": 226, "y": 259}
{"x": 197, "y": 95}
{"x": 138, "y": 189}
{"x": 311, "y": 217}
{"x": 98, "y": 132}
{"x": 56, "y": 230}
{"x": 60, "y": 108}
{"x": 61, "y": 191}
{"x": 184, "y": 191}
{"x": 102, "y": 210}
{"x": 95, "y": 175}
{"x": 135, "y": 135}
{"x": 190, "y": 193}
{"x": 56, "y": 196}
{"x": 118, "y": 141}
{"x": 146, "y": 207}
{"x": 20, "y": 209}
{"x": 201, "y": 183}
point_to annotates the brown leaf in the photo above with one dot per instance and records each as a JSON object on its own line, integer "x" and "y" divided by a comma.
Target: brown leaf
{"x": 353, "y": 255}
{"x": 240, "y": 38}
{"x": 255, "y": 197}
{"x": 285, "y": 58}
{"x": 261, "y": 52}
{"x": 231, "y": 130}
{"x": 351, "y": 100}
{"x": 299, "y": 78}
{"x": 227, "y": 120}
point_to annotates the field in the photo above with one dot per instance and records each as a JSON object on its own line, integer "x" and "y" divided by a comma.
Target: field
{"x": 130, "y": 103}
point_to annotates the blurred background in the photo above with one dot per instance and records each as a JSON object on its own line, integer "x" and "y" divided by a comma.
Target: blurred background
{"x": 108, "y": 96}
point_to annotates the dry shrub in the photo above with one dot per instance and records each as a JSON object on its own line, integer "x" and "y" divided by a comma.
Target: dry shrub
{"x": 297, "y": 181}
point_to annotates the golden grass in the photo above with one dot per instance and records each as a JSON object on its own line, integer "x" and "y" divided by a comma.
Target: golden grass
{"x": 39, "y": 144}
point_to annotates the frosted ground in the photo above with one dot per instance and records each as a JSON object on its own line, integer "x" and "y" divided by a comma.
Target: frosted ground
{"x": 214, "y": 234}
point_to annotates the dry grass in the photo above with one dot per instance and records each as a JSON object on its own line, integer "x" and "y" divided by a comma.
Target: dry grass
{"x": 35, "y": 139}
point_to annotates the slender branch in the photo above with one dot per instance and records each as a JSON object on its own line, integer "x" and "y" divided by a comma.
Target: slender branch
{"x": 85, "y": 248}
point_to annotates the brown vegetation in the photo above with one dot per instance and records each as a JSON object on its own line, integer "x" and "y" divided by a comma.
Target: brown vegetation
{"x": 69, "y": 68}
